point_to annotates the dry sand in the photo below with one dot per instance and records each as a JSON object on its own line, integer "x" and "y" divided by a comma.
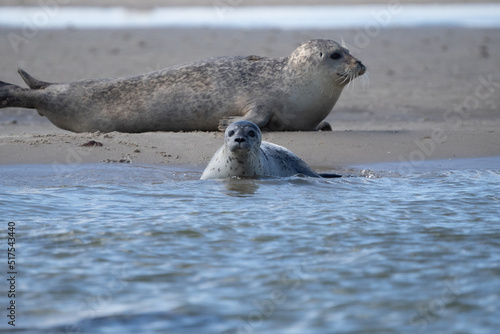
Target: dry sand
{"x": 433, "y": 93}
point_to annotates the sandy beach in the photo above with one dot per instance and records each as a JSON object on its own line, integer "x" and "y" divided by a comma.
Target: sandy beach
{"x": 433, "y": 93}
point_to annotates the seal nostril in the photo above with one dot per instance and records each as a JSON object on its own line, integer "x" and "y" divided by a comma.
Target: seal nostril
{"x": 239, "y": 140}
{"x": 362, "y": 67}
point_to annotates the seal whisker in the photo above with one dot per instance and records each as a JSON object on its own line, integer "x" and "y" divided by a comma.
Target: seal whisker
{"x": 349, "y": 85}
{"x": 352, "y": 83}
{"x": 342, "y": 41}
{"x": 365, "y": 81}
{"x": 340, "y": 79}
{"x": 345, "y": 78}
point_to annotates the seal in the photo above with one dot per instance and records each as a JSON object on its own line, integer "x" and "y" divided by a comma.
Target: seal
{"x": 281, "y": 94}
{"x": 245, "y": 155}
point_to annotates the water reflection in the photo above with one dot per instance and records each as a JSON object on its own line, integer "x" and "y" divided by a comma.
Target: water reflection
{"x": 241, "y": 187}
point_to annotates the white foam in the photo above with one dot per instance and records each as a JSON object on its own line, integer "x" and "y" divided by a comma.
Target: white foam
{"x": 283, "y": 17}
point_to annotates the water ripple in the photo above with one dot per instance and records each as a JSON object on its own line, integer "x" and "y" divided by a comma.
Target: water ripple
{"x": 107, "y": 248}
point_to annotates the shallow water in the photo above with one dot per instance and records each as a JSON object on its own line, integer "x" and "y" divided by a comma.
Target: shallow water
{"x": 113, "y": 248}
{"x": 234, "y": 14}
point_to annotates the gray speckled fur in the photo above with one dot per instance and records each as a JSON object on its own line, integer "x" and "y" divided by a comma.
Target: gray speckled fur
{"x": 292, "y": 93}
{"x": 251, "y": 157}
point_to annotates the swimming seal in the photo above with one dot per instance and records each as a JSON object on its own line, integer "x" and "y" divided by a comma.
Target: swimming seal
{"x": 282, "y": 94}
{"x": 245, "y": 155}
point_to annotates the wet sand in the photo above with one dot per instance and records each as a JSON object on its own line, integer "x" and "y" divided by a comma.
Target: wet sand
{"x": 433, "y": 93}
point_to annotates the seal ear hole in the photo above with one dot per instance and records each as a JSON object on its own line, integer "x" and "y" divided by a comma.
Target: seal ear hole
{"x": 251, "y": 133}
{"x": 230, "y": 133}
{"x": 321, "y": 54}
{"x": 336, "y": 55}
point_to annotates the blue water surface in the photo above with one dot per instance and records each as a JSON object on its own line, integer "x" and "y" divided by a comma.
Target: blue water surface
{"x": 117, "y": 248}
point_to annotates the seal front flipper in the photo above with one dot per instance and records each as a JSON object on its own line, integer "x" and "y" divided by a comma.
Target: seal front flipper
{"x": 260, "y": 120}
{"x": 323, "y": 126}
{"x": 260, "y": 114}
{"x": 225, "y": 121}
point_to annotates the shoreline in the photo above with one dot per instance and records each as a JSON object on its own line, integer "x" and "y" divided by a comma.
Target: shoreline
{"x": 332, "y": 150}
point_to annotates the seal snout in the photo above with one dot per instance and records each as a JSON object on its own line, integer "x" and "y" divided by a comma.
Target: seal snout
{"x": 239, "y": 139}
{"x": 240, "y": 143}
{"x": 362, "y": 68}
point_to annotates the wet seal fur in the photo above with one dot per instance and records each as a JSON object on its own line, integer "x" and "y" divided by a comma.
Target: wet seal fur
{"x": 282, "y": 94}
{"x": 245, "y": 155}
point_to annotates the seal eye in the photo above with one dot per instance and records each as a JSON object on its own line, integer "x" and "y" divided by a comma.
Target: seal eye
{"x": 251, "y": 133}
{"x": 336, "y": 55}
{"x": 230, "y": 133}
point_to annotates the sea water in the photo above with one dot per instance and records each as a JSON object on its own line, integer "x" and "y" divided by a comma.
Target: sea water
{"x": 234, "y": 14}
{"x": 117, "y": 248}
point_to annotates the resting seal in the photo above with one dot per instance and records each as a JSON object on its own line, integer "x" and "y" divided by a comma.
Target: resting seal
{"x": 284, "y": 94}
{"x": 244, "y": 154}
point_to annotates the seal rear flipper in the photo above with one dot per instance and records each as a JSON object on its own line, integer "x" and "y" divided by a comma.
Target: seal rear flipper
{"x": 13, "y": 96}
{"x": 32, "y": 82}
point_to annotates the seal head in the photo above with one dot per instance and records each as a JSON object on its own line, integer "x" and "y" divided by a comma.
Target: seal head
{"x": 243, "y": 137}
{"x": 314, "y": 76}
{"x": 327, "y": 60}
